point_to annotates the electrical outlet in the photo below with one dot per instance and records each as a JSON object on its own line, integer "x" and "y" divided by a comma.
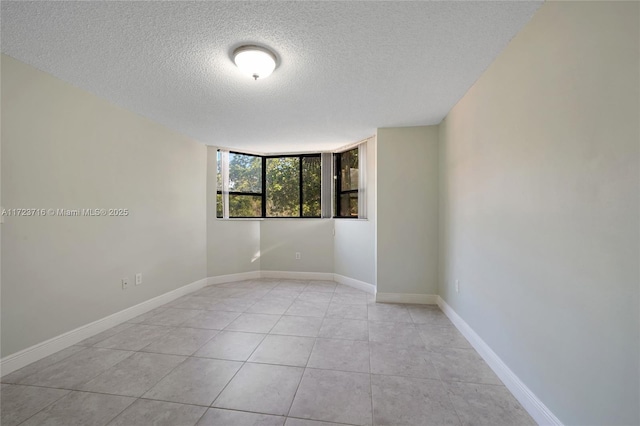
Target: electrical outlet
{"x": 139, "y": 278}
{"x": 457, "y": 286}
{"x": 297, "y": 255}
{"x": 125, "y": 283}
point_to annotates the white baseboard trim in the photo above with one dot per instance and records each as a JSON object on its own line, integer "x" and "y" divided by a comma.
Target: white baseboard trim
{"x": 20, "y": 359}
{"x": 536, "y": 408}
{"x": 357, "y": 284}
{"x": 294, "y": 275}
{"x": 38, "y": 351}
{"x": 230, "y": 278}
{"x": 420, "y": 299}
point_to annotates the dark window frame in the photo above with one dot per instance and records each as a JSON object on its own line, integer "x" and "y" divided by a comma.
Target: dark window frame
{"x": 300, "y": 185}
{"x": 263, "y": 193}
{"x": 338, "y": 192}
{"x": 242, "y": 193}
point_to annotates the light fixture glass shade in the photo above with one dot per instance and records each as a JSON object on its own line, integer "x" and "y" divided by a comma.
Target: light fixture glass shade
{"x": 257, "y": 62}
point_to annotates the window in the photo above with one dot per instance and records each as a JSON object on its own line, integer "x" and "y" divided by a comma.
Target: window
{"x": 285, "y": 186}
{"x": 244, "y": 185}
{"x": 347, "y": 181}
{"x": 293, "y": 186}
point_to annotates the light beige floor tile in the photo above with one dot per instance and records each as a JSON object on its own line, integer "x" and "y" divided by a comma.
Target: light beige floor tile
{"x": 233, "y": 305}
{"x": 220, "y": 417}
{"x": 197, "y": 302}
{"x": 141, "y": 318}
{"x": 301, "y": 422}
{"x": 105, "y": 334}
{"x": 196, "y": 381}
{"x": 253, "y": 323}
{"x": 213, "y": 320}
{"x": 487, "y": 405}
{"x": 350, "y": 298}
{"x": 411, "y": 401}
{"x": 321, "y": 286}
{"x": 231, "y": 345}
{"x": 172, "y": 317}
{"x": 297, "y": 326}
{"x": 337, "y": 310}
{"x": 284, "y": 350}
{"x": 337, "y": 328}
{"x": 430, "y": 314}
{"x": 133, "y": 376}
{"x": 77, "y": 369}
{"x": 34, "y": 367}
{"x": 18, "y": 402}
{"x": 339, "y": 354}
{"x": 462, "y": 365}
{"x": 333, "y": 396}
{"x": 400, "y": 334}
{"x": 306, "y": 308}
{"x": 261, "y": 388}
{"x": 145, "y": 412}
{"x": 269, "y": 305}
{"x": 401, "y": 361}
{"x": 389, "y": 313}
{"x": 134, "y": 338}
{"x": 81, "y": 409}
{"x": 446, "y": 336}
{"x": 181, "y": 341}
{"x": 313, "y": 296}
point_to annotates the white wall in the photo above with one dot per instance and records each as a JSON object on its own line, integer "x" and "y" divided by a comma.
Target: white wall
{"x": 233, "y": 246}
{"x": 407, "y": 210}
{"x": 354, "y": 242}
{"x": 540, "y": 209}
{"x": 65, "y": 148}
{"x": 280, "y": 239}
{"x": 239, "y": 245}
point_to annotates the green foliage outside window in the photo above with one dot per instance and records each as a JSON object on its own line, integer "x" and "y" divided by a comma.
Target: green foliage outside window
{"x": 283, "y": 186}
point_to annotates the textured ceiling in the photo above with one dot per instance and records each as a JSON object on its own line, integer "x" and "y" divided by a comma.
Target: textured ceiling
{"x": 345, "y": 68}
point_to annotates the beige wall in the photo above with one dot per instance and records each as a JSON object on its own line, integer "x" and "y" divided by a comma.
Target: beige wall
{"x": 354, "y": 242}
{"x": 233, "y": 246}
{"x": 407, "y": 210}
{"x": 280, "y": 239}
{"x": 65, "y": 148}
{"x": 540, "y": 209}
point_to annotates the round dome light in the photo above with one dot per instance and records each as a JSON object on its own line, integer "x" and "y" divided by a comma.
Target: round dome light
{"x": 255, "y": 61}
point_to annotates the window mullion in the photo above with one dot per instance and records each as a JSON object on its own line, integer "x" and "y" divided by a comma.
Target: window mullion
{"x": 300, "y": 185}
{"x": 225, "y": 183}
{"x": 264, "y": 186}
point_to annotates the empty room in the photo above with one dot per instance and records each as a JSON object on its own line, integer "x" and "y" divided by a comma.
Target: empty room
{"x": 319, "y": 213}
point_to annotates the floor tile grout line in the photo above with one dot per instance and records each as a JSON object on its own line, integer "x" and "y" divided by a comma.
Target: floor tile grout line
{"x": 44, "y": 408}
{"x": 236, "y": 373}
{"x": 304, "y": 370}
{"x": 373, "y": 419}
{"x": 179, "y": 325}
{"x": 204, "y": 413}
{"x": 55, "y": 363}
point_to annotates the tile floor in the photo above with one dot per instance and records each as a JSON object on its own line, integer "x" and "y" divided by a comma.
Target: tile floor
{"x": 266, "y": 352}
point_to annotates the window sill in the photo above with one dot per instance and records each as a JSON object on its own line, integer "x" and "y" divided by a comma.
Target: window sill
{"x": 278, "y": 219}
{"x": 240, "y": 219}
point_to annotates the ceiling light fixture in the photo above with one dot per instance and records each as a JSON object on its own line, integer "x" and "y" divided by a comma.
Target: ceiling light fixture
{"x": 255, "y": 61}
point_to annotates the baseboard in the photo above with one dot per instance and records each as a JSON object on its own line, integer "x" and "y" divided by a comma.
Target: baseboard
{"x": 420, "y": 299}
{"x": 293, "y": 275}
{"x": 36, "y": 352}
{"x": 230, "y": 278}
{"x": 530, "y": 402}
{"x": 357, "y": 284}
